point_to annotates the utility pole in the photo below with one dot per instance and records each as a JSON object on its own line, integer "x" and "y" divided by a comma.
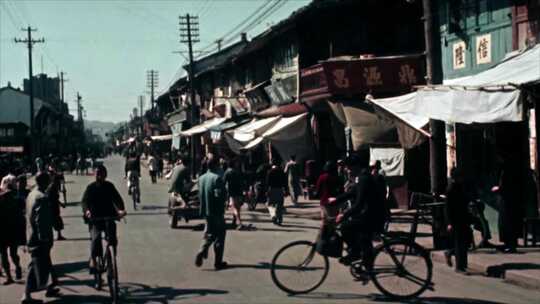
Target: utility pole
{"x": 61, "y": 137}
{"x": 189, "y": 33}
{"x": 152, "y": 78}
{"x": 62, "y": 82}
{"x": 141, "y": 115}
{"x": 29, "y": 43}
{"x": 437, "y": 143}
{"x": 80, "y": 120}
{"x": 218, "y": 42}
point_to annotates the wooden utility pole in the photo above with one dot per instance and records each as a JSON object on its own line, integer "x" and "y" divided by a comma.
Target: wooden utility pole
{"x": 152, "y": 79}
{"x": 29, "y": 43}
{"x": 189, "y": 33}
{"x": 61, "y": 137}
{"x": 437, "y": 143}
{"x": 62, "y": 82}
{"x": 141, "y": 114}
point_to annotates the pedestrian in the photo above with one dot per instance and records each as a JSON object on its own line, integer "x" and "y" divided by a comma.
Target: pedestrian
{"x": 152, "y": 168}
{"x": 276, "y": 180}
{"x": 381, "y": 187}
{"x": 181, "y": 183}
{"x": 40, "y": 242}
{"x": 40, "y": 165}
{"x": 459, "y": 223}
{"x": 511, "y": 196}
{"x": 11, "y": 224}
{"x": 212, "y": 199}
{"x": 326, "y": 188}
{"x": 159, "y": 166}
{"x": 292, "y": 169}
{"x": 234, "y": 182}
{"x": 53, "y": 193}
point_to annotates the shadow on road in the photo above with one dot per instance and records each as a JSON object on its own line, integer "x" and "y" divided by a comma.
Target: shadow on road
{"x": 87, "y": 299}
{"x": 499, "y": 271}
{"x": 333, "y": 296}
{"x": 436, "y": 300}
{"x": 196, "y": 227}
{"x": 140, "y": 293}
{"x": 153, "y": 207}
{"x": 72, "y": 267}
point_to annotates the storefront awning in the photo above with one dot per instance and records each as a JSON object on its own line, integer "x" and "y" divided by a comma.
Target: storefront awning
{"x": 487, "y": 97}
{"x": 205, "y": 126}
{"x": 403, "y": 109}
{"x": 239, "y": 137}
{"x": 162, "y": 137}
{"x": 286, "y": 128}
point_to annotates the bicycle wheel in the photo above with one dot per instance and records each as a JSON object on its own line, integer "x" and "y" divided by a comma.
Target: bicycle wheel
{"x": 297, "y": 268}
{"x": 112, "y": 274}
{"x": 98, "y": 283}
{"x": 401, "y": 269}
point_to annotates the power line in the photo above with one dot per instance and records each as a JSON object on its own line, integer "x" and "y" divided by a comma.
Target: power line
{"x": 231, "y": 31}
{"x": 271, "y": 10}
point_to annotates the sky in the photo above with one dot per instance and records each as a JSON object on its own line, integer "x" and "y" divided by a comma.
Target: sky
{"x": 106, "y": 47}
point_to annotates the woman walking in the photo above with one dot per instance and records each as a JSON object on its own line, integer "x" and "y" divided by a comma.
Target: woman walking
{"x": 277, "y": 182}
{"x": 11, "y": 224}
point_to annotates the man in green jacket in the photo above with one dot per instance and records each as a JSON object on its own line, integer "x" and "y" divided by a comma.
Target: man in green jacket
{"x": 212, "y": 198}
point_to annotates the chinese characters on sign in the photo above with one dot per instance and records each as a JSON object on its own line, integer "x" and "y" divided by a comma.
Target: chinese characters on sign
{"x": 372, "y": 76}
{"x": 458, "y": 55}
{"x": 339, "y": 78}
{"x": 407, "y": 75}
{"x": 483, "y": 49}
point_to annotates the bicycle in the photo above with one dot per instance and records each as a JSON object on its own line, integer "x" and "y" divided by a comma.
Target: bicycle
{"x": 106, "y": 261}
{"x": 134, "y": 189}
{"x": 394, "y": 259}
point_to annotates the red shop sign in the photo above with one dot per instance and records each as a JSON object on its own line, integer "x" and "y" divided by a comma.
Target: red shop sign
{"x": 347, "y": 77}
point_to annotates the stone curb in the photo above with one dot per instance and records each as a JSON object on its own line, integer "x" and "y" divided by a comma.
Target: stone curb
{"x": 515, "y": 277}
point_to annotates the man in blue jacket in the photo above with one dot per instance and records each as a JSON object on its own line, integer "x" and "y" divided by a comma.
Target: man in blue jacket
{"x": 212, "y": 196}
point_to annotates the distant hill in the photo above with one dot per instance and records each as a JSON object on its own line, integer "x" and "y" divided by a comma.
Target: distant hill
{"x": 100, "y": 128}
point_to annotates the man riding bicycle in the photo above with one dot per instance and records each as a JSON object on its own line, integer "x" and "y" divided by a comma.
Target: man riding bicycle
{"x": 132, "y": 171}
{"x": 365, "y": 217}
{"x": 101, "y": 199}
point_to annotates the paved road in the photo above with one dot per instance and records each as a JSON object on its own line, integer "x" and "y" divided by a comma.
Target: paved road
{"x": 156, "y": 262}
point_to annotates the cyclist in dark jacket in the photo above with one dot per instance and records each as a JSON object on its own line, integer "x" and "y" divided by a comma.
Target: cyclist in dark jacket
{"x": 101, "y": 199}
{"x": 362, "y": 219}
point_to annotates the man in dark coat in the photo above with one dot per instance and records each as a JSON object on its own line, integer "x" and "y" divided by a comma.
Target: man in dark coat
{"x": 40, "y": 241}
{"x": 365, "y": 217}
{"x": 11, "y": 210}
{"x": 101, "y": 199}
{"x": 212, "y": 198}
{"x": 459, "y": 219}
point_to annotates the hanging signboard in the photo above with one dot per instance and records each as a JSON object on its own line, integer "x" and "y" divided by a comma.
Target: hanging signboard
{"x": 459, "y": 51}
{"x": 257, "y": 97}
{"x": 483, "y": 49}
{"x": 359, "y": 76}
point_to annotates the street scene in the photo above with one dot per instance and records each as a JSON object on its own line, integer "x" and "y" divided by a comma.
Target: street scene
{"x": 293, "y": 151}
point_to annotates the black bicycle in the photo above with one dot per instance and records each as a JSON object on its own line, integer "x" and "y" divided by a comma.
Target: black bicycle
{"x": 106, "y": 260}
{"x": 401, "y": 269}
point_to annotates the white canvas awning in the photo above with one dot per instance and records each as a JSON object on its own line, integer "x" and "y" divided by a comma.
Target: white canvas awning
{"x": 203, "y": 127}
{"x": 162, "y": 137}
{"x": 490, "y": 96}
{"x": 238, "y": 138}
{"x": 253, "y": 129}
{"x": 286, "y": 128}
{"x": 403, "y": 108}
